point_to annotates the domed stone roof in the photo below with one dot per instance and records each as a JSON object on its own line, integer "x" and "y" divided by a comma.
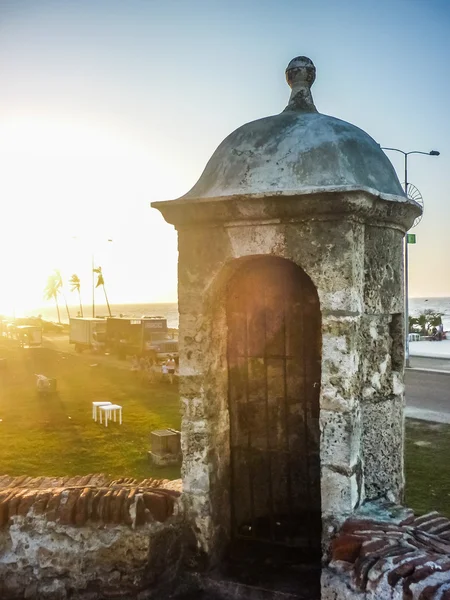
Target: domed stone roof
{"x": 298, "y": 151}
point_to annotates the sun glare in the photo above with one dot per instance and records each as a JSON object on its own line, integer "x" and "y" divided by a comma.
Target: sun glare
{"x": 64, "y": 181}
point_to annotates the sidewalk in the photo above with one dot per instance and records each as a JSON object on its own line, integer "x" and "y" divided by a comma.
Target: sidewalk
{"x": 428, "y": 363}
{"x": 430, "y": 356}
{"x": 430, "y": 349}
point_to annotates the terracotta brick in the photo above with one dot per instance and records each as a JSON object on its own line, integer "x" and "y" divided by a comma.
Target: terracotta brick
{"x": 424, "y": 518}
{"x": 41, "y": 501}
{"x": 361, "y": 571}
{"x": 368, "y": 527}
{"x": 438, "y": 526}
{"x": 52, "y": 505}
{"x": 5, "y": 480}
{"x": 419, "y": 574}
{"x": 93, "y": 505}
{"x": 26, "y": 502}
{"x": 14, "y": 501}
{"x": 98, "y": 480}
{"x": 376, "y": 546}
{"x": 346, "y": 547}
{"x": 5, "y": 496}
{"x": 81, "y": 510}
{"x": 117, "y": 502}
{"x": 103, "y": 505}
{"x": 445, "y": 595}
{"x": 434, "y": 543}
{"x": 67, "y": 505}
{"x": 17, "y": 482}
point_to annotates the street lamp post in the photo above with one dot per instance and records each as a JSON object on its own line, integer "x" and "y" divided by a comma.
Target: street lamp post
{"x": 75, "y": 237}
{"x": 406, "y": 154}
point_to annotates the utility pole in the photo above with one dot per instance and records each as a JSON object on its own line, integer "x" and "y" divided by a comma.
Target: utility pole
{"x": 406, "y": 285}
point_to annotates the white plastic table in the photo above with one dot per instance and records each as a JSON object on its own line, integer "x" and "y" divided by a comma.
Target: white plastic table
{"x": 108, "y": 410}
{"x": 94, "y": 408}
{"x": 414, "y": 337}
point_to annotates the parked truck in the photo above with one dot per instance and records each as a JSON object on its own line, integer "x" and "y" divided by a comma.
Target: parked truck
{"x": 145, "y": 336}
{"x": 87, "y": 333}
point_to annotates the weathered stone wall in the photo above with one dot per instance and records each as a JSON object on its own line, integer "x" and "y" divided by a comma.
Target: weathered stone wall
{"x": 357, "y": 270}
{"x": 382, "y": 356}
{"x": 85, "y": 537}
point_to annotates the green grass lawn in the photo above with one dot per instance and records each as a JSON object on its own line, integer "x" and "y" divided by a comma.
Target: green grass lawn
{"x": 427, "y": 466}
{"x": 56, "y": 435}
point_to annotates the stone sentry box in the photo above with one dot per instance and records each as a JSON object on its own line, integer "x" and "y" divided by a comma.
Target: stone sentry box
{"x": 290, "y": 286}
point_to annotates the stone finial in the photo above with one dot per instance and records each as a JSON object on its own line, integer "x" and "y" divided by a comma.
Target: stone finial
{"x": 300, "y": 75}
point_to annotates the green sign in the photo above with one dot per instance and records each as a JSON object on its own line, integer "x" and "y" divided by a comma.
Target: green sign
{"x": 411, "y": 238}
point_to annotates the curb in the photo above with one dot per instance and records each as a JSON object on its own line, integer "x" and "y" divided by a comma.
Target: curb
{"x": 425, "y": 370}
{"x": 430, "y": 356}
{"x": 431, "y": 416}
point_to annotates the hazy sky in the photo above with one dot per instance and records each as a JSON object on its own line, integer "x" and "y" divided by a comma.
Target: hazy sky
{"x": 108, "y": 105}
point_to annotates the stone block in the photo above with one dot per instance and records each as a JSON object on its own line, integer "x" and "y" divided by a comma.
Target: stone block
{"x": 331, "y": 257}
{"x": 340, "y": 438}
{"x": 340, "y": 377}
{"x": 268, "y": 239}
{"x": 383, "y": 269}
{"x": 382, "y": 447}
{"x": 341, "y": 493}
{"x": 375, "y": 347}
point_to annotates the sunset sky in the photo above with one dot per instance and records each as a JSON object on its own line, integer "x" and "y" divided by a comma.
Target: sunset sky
{"x": 108, "y": 105}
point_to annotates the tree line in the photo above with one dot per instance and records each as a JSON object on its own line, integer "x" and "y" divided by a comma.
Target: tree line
{"x": 55, "y": 288}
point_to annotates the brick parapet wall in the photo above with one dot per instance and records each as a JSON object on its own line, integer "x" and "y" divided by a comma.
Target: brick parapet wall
{"x": 92, "y": 498}
{"x": 87, "y": 537}
{"x": 386, "y": 552}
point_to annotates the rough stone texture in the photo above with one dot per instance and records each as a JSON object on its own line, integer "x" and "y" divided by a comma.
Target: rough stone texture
{"x": 382, "y": 447}
{"x": 385, "y": 552}
{"x": 361, "y": 384}
{"x": 84, "y": 537}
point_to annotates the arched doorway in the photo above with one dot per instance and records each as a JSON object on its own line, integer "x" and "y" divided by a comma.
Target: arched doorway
{"x": 274, "y": 358}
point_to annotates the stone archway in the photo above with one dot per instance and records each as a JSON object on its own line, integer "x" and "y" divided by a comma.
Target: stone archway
{"x": 274, "y": 369}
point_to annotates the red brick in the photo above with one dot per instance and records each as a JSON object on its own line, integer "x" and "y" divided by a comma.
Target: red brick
{"x": 14, "y": 501}
{"x": 117, "y": 502}
{"x": 5, "y": 496}
{"x": 81, "y": 510}
{"x": 41, "y": 500}
{"x": 26, "y": 502}
{"x": 103, "y": 505}
{"x": 346, "y": 547}
{"x": 52, "y": 505}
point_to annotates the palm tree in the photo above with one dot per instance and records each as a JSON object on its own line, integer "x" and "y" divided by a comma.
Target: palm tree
{"x": 75, "y": 284}
{"x": 101, "y": 281}
{"x": 61, "y": 288}
{"x": 52, "y": 290}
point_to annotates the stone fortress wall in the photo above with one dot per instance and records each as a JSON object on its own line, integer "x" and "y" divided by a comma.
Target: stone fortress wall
{"x": 84, "y": 537}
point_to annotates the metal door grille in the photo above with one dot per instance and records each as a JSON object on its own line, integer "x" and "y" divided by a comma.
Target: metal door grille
{"x": 274, "y": 381}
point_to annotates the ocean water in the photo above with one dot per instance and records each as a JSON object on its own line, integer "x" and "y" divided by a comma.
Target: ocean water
{"x": 167, "y": 310}
{"x": 170, "y": 310}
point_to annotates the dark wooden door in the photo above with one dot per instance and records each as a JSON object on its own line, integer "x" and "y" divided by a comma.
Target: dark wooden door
{"x": 274, "y": 356}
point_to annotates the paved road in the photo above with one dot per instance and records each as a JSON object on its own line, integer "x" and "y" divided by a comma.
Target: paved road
{"x": 428, "y": 391}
